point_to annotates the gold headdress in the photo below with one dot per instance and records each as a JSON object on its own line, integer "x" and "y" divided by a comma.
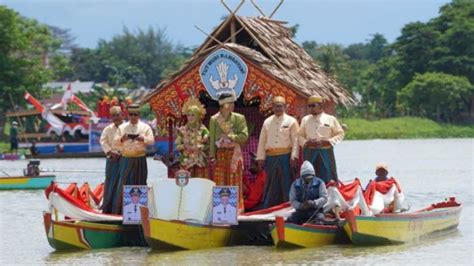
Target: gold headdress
{"x": 194, "y": 105}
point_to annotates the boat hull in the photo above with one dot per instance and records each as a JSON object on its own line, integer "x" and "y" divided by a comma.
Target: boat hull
{"x": 400, "y": 228}
{"x": 26, "y": 182}
{"x": 288, "y": 235}
{"x": 73, "y": 235}
{"x": 179, "y": 235}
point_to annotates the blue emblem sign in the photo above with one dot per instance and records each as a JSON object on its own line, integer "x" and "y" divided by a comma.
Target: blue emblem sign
{"x": 223, "y": 71}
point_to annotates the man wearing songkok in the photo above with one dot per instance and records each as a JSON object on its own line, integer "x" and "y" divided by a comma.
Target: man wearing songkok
{"x": 278, "y": 149}
{"x": 113, "y": 157}
{"x": 132, "y": 138}
{"x": 227, "y": 131}
{"x": 308, "y": 195}
{"x": 192, "y": 140}
{"x": 317, "y": 135}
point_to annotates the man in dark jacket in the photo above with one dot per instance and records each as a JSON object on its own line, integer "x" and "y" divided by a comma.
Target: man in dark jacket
{"x": 307, "y": 195}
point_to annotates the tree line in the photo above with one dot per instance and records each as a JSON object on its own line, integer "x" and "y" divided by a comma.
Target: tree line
{"x": 427, "y": 71}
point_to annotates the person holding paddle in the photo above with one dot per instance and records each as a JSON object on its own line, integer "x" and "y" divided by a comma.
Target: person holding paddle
{"x": 308, "y": 195}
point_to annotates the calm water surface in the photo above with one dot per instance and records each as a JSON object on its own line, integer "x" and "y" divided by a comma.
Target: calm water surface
{"x": 428, "y": 170}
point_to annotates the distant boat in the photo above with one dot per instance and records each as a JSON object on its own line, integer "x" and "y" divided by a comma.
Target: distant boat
{"x": 11, "y": 157}
{"x": 26, "y": 182}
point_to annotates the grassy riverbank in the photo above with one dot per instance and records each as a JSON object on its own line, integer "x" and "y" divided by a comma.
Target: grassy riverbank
{"x": 403, "y": 128}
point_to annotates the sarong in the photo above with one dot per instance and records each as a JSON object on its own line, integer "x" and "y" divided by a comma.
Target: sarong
{"x": 197, "y": 171}
{"x": 323, "y": 161}
{"x": 110, "y": 185}
{"x": 223, "y": 175}
{"x": 132, "y": 171}
{"x": 279, "y": 179}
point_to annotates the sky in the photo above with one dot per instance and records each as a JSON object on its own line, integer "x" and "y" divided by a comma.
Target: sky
{"x": 324, "y": 21}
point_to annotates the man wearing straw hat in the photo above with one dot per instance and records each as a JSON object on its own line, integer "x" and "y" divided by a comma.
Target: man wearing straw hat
{"x": 132, "y": 138}
{"x": 278, "y": 149}
{"x": 113, "y": 156}
{"x": 227, "y": 131}
{"x": 318, "y": 134}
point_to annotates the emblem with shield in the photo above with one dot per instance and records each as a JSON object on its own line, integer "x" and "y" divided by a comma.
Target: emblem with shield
{"x": 223, "y": 71}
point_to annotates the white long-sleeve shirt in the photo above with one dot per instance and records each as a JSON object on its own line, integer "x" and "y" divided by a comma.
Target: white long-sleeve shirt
{"x": 278, "y": 133}
{"x": 107, "y": 138}
{"x": 134, "y": 148}
{"x": 320, "y": 127}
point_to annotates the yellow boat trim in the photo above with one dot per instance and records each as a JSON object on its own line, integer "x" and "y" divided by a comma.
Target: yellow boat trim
{"x": 189, "y": 236}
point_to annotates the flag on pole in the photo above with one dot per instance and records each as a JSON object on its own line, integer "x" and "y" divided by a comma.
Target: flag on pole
{"x": 56, "y": 124}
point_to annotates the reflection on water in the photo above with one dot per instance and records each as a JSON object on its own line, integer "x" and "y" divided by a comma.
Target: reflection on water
{"x": 428, "y": 170}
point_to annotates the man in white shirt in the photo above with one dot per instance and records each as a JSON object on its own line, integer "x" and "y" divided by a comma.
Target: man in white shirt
{"x": 113, "y": 158}
{"x": 131, "y": 211}
{"x": 318, "y": 134}
{"x": 224, "y": 213}
{"x": 132, "y": 138}
{"x": 278, "y": 149}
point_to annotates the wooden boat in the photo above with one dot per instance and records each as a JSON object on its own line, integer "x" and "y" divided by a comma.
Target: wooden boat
{"x": 395, "y": 228}
{"x": 289, "y": 235}
{"x": 73, "y": 234}
{"x": 26, "y": 182}
{"x": 180, "y": 235}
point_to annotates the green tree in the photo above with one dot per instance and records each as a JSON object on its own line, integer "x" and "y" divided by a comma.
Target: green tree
{"x": 439, "y": 96}
{"x": 24, "y": 48}
{"x": 131, "y": 59}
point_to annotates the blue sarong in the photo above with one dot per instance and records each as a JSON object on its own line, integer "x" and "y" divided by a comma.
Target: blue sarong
{"x": 323, "y": 161}
{"x": 110, "y": 185}
{"x": 278, "y": 180}
{"x": 132, "y": 171}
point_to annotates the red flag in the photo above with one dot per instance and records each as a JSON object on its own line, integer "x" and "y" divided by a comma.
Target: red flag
{"x": 34, "y": 102}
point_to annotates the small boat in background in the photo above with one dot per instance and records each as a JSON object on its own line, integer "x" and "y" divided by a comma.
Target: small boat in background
{"x": 26, "y": 182}
{"x": 396, "y": 228}
{"x": 31, "y": 178}
{"x": 11, "y": 157}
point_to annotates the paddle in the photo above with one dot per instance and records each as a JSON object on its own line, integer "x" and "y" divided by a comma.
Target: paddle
{"x": 314, "y": 215}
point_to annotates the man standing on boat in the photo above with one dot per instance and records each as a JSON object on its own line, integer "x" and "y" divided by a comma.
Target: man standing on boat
{"x": 308, "y": 195}
{"x": 113, "y": 157}
{"x": 14, "y": 138}
{"x": 227, "y": 131}
{"x": 278, "y": 149}
{"x": 132, "y": 138}
{"x": 318, "y": 134}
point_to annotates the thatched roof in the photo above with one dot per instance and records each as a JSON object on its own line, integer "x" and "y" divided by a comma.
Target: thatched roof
{"x": 268, "y": 44}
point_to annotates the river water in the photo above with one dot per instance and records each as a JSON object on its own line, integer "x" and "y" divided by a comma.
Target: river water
{"x": 428, "y": 170}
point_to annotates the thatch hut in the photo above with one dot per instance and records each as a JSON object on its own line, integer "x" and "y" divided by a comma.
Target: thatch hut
{"x": 276, "y": 66}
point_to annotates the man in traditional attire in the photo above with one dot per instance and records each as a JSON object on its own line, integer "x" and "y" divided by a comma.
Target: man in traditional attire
{"x": 308, "y": 195}
{"x": 228, "y": 130}
{"x": 113, "y": 157}
{"x": 224, "y": 212}
{"x": 132, "y": 138}
{"x": 131, "y": 211}
{"x": 318, "y": 133}
{"x": 278, "y": 149}
{"x": 192, "y": 140}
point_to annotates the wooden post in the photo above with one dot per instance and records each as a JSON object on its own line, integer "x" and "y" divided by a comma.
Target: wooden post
{"x": 232, "y": 30}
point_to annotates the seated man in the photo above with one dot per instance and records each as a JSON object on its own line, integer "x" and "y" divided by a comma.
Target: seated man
{"x": 307, "y": 195}
{"x": 381, "y": 172}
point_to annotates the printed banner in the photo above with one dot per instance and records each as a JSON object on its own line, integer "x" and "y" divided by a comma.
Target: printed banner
{"x": 134, "y": 197}
{"x": 94, "y": 135}
{"x": 224, "y": 204}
